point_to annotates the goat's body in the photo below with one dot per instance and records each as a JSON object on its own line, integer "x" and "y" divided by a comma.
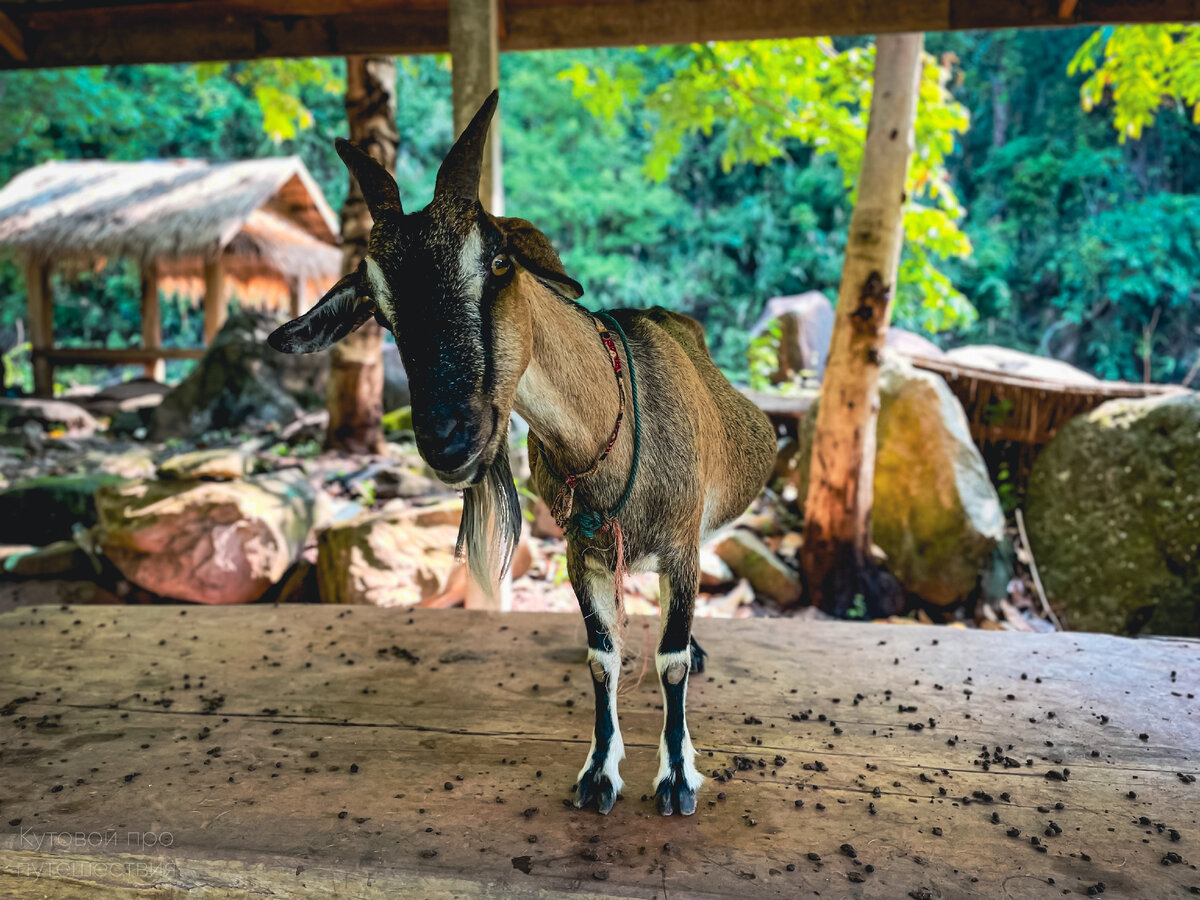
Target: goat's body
{"x": 706, "y": 449}
{"x": 706, "y": 453}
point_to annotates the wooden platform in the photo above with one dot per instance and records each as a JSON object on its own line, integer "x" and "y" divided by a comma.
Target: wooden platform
{"x": 352, "y": 752}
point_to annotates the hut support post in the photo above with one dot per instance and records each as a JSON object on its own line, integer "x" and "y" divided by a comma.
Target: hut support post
{"x": 41, "y": 326}
{"x": 297, "y": 301}
{"x": 215, "y": 298}
{"x": 475, "y": 52}
{"x": 152, "y": 323}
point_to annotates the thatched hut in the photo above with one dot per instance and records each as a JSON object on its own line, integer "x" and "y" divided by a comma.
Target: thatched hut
{"x": 259, "y": 228}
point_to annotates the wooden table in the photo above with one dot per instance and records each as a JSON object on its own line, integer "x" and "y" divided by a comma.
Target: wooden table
{"x": 356, "y": 752}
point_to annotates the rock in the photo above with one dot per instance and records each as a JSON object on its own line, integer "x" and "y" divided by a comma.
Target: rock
{"x": 242, "y": 383}
{"x": 909, "y": 343}
{"x": 136, "y": 463}
{"x": 748, "y": 557}
{"x": 1113, "y": 514}
{"x": 49, "y": 415}
{"x": 219, "y": 464}
{"x": 714, "y": 572}
{"x": 936, "y": 514}
{"x": 806, "y": 325}
{"x": 1014, "y": 362}
{"x": 214, "y": 542}
{"x": 127, "y": 396}
{"x": 543, "y": 524}
{"x": 397, "y": 556}
{"x": 58, "y": 560}
{"x": 47, "y": 509}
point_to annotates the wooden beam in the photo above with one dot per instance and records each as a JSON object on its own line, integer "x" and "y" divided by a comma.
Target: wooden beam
{"x": 85, "y": 32}
{"x": 40, "y": 305}
{"x": 475, "y": 73}
{"x": 216, "y": 298}
{"x": 11, "y": 39}
{"x": 115, "y": 356}
{"x": 152, "y": 323}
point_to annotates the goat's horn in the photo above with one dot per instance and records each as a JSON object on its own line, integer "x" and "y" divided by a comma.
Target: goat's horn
{"x": 460, "y": 171}
{"x": 378, "y": 187}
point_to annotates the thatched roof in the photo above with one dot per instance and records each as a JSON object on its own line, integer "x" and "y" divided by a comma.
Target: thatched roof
{"x": 264, "y": 213}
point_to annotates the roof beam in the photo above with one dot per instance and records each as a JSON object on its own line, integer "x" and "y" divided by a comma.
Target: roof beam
{"x": 11, "y": 40}
{"x": 96, "y": 32}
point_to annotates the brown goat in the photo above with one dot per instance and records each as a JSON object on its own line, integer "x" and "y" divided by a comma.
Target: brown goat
{"x": 485, "y": 319}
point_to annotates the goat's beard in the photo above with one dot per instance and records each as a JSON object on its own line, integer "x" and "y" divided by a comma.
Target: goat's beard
{"x": 491, "y": 524}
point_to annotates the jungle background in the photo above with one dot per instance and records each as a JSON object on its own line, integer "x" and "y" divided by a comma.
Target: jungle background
{"x": 1054, "y": 222}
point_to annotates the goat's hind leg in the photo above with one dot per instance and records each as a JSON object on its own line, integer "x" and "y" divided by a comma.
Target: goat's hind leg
{"x": 599, "y": 780}
{"x": 677, "y": 782}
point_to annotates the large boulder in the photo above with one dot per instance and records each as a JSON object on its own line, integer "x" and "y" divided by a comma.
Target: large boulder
{"x": 1113, "y": 510}
{"x": 396, "y": 556}
{"x": 212, "y": 542}
{"x": 46, "y": 509}
{"x": 936, "y": 513}
{"x": 241, "y": 382}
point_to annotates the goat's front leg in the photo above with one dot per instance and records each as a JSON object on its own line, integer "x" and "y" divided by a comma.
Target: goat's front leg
{"x": 678, "y": 781}
{"x": 599, "y": 780}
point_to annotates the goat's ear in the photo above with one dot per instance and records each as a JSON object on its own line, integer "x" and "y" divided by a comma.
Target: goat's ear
{"x": 532, "y": 250}
{"x": 342, "y": 310}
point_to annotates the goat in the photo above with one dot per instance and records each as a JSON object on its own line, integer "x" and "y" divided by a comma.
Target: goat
{"x": 485, "y": 317}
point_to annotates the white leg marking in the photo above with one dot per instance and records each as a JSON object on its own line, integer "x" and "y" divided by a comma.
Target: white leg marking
{"x": 610, "y": 662}
{"x": 692, "y": 778}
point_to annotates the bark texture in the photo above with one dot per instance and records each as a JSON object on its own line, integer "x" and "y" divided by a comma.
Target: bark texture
{"x": 355, "y": 397}
{"x": 836, "y": 557}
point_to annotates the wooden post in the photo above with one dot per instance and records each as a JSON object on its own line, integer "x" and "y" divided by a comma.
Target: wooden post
{"x": 152, "y": 322}
{"x": 836, "y": 556}
{"x": 475, "y": 73}
{"x": 216, "y": 300}
{"x": 355, "y": 393}
{"x": 40, "y": 302}
{"x": 297, "y": 297}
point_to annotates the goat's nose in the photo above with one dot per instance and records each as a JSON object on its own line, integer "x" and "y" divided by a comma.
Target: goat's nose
{"x": 445, "y": 435}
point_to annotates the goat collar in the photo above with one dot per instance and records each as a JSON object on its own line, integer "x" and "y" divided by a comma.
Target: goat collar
{"x": 589, "y": 520}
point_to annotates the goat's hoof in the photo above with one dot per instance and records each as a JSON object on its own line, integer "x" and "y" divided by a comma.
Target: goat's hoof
{"x": 675, "y": 795}
{"x": 595, "y": 789}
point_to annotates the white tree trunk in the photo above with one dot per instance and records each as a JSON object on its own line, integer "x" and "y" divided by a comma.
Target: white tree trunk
{"x": 837, "y": 528}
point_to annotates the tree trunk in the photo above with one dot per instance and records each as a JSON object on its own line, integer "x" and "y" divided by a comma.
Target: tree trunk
{"x": 355, "y": 397}
{"x": 839, "y": 571}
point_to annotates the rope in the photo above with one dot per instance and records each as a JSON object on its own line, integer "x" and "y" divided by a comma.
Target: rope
{"x": 588, "y": 520}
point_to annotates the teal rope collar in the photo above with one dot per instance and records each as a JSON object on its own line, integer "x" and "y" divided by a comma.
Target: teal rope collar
{"x": 587, "y": 520}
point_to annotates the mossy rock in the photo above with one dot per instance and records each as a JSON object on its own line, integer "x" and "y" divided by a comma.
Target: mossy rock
{"x": 936, "y": 513}
{"x": 43, "y": 510}
{"x": 1113, "y": 510}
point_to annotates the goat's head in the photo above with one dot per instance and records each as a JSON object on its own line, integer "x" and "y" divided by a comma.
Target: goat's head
{"x": 447, "y": 282}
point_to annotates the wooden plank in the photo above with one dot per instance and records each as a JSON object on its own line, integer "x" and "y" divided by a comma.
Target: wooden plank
{"x": 475, "y": 73}
{"x": 152, "y": 323}
{"x": 11, "y": 40}
{"x": 109, "y": 356}
{"x": 39, "y": 304}
{"x": 157, "y": 751}
{"x": 78, "y": 32}
{"x": 216, "y": 298}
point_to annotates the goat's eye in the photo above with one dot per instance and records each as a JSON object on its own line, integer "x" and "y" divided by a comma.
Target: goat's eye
{"x": 500, "y": 264}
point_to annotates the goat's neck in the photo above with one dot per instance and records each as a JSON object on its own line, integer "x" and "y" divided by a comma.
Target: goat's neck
{"x": 568, "y": 393}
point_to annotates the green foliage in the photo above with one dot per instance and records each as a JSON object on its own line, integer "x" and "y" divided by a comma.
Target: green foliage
{"x": 763, "y": 357}
{"x": 1142, "y": 67}
{"x": 734, "y": 187}
{"x": 758, "y": 100}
